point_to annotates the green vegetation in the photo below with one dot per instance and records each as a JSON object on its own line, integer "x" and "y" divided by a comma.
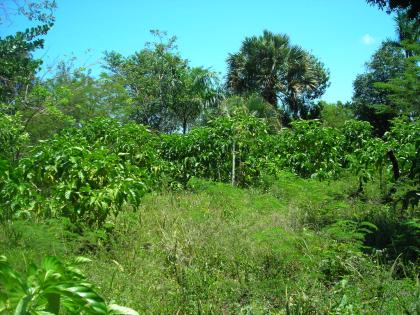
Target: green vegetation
{"x": 281, "y": 243}
{"x": 187, "y": 196}
{"x": 214, "y": 248}
{"x": 271, "y": 66}
{"x": 165, "y": 92}
{"x": 52, "y": 288}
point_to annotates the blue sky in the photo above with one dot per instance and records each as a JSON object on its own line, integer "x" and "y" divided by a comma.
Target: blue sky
{"x": 342, "y": 34}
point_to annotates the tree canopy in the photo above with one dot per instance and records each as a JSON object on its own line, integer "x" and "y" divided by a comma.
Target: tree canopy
{"x": 281, "y": 73}
{"x": 389, "y": 88}
{"x": 166, "y": 92}
{"x": 411, "y": 6}
{"x": 17, "y": 66}
{"x": 371, "y": 103}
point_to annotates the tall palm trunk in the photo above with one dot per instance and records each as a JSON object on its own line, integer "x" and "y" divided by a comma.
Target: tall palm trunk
{"x": 270, "y": 95}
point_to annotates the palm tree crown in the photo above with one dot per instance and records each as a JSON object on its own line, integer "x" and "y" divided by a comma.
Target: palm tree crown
{"x": 281, "y": 73}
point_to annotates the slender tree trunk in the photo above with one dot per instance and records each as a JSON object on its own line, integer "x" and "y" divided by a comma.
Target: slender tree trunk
{"x": 394, "y": 161}
{"x": 184, "y": 127}
{"x": 269, "y": 93}
{"x": 233, "y": 163}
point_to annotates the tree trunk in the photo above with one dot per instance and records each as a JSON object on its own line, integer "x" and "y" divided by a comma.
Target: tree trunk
{"x": 233, "y": 163}
{"x": 394, "y": 161}
{"x": 269, "y": 94}
{"x": 184, "y": 127}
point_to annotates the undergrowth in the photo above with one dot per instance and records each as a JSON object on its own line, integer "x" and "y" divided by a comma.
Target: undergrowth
{"x": 291, "y": 246}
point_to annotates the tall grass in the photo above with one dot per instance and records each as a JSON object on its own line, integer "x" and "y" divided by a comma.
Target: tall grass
{"x": 217, "y": 249}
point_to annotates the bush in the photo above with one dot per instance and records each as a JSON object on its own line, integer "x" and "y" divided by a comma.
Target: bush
{"x": 84, "y": 174}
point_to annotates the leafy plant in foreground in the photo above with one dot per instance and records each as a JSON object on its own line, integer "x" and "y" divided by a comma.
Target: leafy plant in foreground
{"x": 52, "y": 288}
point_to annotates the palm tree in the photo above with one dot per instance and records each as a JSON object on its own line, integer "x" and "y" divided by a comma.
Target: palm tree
{"x": 196, "y": 90}
{"x": 305, "y": 80}
{"x": 255, "y": 68}
{"x": 270, "y": 66}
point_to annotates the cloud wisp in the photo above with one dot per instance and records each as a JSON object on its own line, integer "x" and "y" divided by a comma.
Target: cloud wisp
{"x": 367, "y": 39}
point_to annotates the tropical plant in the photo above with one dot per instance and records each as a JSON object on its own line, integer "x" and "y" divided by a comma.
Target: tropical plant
{"x": 197, "y": 91}
{"x": 403, "y": 90}
{"x": 218, "y": 151}
{"x": 306, "y": 149}
{"x": 13, "y": 138}
{"x": 253, "y": 105}
{"x": 84, "y": 174}
{"x": 278, "y": 71}
{"x": 53, "y": 288}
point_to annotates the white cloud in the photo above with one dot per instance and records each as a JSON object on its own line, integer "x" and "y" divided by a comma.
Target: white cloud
{"x": 367, "y": 39}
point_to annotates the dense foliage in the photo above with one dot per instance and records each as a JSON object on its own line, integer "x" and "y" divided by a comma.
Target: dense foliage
{"x": 83, "y": 174}
{"x": 17, "y": 67}
{"x": 283, "y": 74}
{"x": 252, "y": 197}
{"x": 166, "y": 93}
{"x": 389, "y": 88}
{"x": 89, "y": 173}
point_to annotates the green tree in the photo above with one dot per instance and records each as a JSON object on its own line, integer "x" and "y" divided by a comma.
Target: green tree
{"x": 196, "y": 91}
{"x": 408, "y": 31}
{"x": 68, "y": 97}
{"x": 252, "y": 105}
{"x": 76, "y": 93}
{"x": 21, "y": 93}
{"x": 167, "y": 94}
{"x": 335, "y": 114}
{"x": 371, "y": 103}
{"x": 271, "y": 66}
{"x": 412, "y": 6}
{"x": 18, "y": 67}
{"x": 403, "y": 91}
{"x": 392, "y": 71}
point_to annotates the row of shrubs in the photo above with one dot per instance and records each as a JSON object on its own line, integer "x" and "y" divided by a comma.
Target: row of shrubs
{"x": 90, "y": 173}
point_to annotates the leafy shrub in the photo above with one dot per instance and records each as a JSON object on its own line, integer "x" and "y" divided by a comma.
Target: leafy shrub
{"x": 404, "y": 140}
{"x": 84, "y": 174}
{"x": 356, "y": 134}
{"x": 308, "y": 150}
{"x": 13, "y": 139}
{"x": 314, "y": 151}
{"x": 208, "y": 151}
